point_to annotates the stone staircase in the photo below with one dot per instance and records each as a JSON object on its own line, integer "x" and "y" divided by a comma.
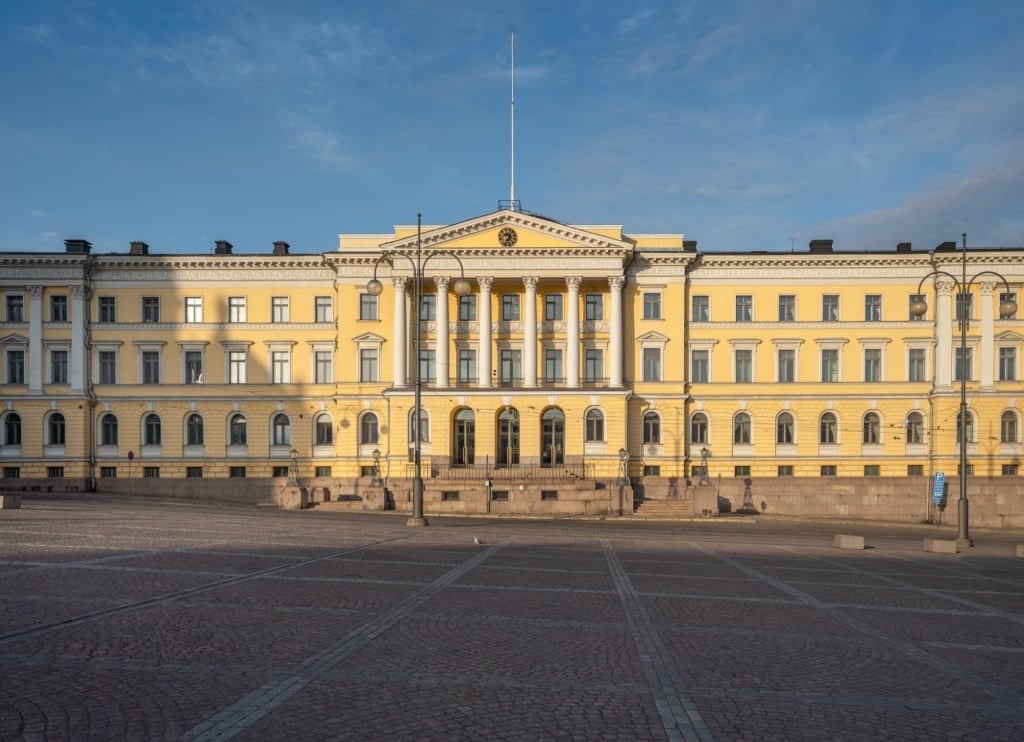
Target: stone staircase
{"x": 673, "y": 509}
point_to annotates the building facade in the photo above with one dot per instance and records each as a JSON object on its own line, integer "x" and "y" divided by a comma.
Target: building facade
{"x": 581, "y": 359}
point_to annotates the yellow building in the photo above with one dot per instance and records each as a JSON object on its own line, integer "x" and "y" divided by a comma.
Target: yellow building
{"x": 581, "y": 356}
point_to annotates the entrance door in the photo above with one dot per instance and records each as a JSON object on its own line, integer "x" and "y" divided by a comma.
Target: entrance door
{"x": 465, "y": 438}
{"x": 552, "y": 438}
{"x": 508, "y": 438}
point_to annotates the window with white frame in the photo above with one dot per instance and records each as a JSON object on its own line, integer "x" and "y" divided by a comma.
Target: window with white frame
{"x": 467, "y": 372}
{"x": 192, "y": 360}
{"x": 14, "y": 362}
{"x": 280, "y": 366}
{"x": 237, "y": 311}
{"x": 106, "y": 366}
{"x": 369, "y": 429}
{"x": 367, "y": 307}
{"x": 11, "y": 429}
{"x": 701, "y": 308}
{"x": 281, "y": 430}
{"x": 828, "y": 428}
{"x": 59, "y": 308}
{"x": 323, "y": 366}
{"x": 369, "y": 364}
{"x": 744, "y": 308}
{"x": 238, "y": 365}
{"x": 830, "y": 308}
{"x": 594, "y": 428}
{"x": 15, "y": 307}
{"x": 323, "y": 429}
{"x": 106, "y": 309}
{"x": 651, "y": 430}
{"x": 593, "y": 307}
{"x": 652, "y": 364}
{"x": 699, "y": 428}
{"x": 1007, "y": 363}
{"x": 150, "y": 308}
{"x": 873, "y": 308}
{"x": 915, "y": 428}
{"x": 652, "y": 355}
{"x": 652, "y": 305}
{"x": 238, "y": 430}
{"x": 280, "y": 309}
{"x": 323, "y": 309}
{"x": 743, "y": 353}
{"x": 787, "y": 365}
{"x": 787, "y": 308}
{"x": 784, "y": 427}
{"x": 108, "y": 429}
{"x": 193, "y": 309}
{"x": 1009, "y": 427}
{"x": 194, "y": 430}
{"x": 917, "y": 364}
{"x": 151, "y": 430}
{"x": 150, "y": 366}
{"x": 56, "y": 429}
{"x": 871, "y": 428}
{"x": 872, "y": 364}
{"x": 59, "y": 373}
{"x": 741, "y": 429}
{"x": 700, "y": 365}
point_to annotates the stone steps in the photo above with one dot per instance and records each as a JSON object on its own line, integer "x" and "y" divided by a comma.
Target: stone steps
{"x": 675, "y": 508}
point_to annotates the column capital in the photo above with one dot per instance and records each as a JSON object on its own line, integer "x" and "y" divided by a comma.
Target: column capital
{"x": 399, "y": 282}
{"x": 442, "y": 283}
{"x": 616, "y": 282}
{"x": 573, "y": 282}
{"x": 36, "y": 292}
{"x": 77, "y": 292}
{"x": 987, "y": 287}
{"x": 530, "y": 282}
{"x": 944, "y": 287}
{"x": 485, "y": 282}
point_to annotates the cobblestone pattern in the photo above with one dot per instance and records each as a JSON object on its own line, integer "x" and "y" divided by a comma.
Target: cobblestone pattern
{"x": 128, "y": 620}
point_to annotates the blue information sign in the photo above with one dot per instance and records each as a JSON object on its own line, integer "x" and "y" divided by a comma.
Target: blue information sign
{"x": 940, "y": 487}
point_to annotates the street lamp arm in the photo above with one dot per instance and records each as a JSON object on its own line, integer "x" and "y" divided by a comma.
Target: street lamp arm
{"x": 1006, "y": 307}
{"x": 950, "y": 276}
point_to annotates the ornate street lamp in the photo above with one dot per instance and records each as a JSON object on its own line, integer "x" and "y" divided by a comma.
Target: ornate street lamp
{"x": 417, "y": 262}
{"x": 376, "y": 468}
{"x": 624, "y": 466}
{"x": 918, "y": 308}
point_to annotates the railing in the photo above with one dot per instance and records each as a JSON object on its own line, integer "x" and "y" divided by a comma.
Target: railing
{"x": 516, "y": 472}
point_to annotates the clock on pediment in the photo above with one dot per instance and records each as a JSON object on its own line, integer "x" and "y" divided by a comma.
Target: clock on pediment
{"x": 507, "y": 237}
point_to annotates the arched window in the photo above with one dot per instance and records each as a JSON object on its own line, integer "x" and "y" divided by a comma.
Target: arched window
{"x": 915, "y": 428}
{"x": 369, "y": 431}
{"x": 151, "y": 430}
{"x": 238, "y": 430}
{"x": 324, "y": 430}
{"x": 108, "y": 430}
{"x": 282, "y": 430}
{"x": 1008, "y": 427}
{"x": 652, "y": 428}
{"x": 970, "y": 427}
{"x": 55, "y": 430}
{"x": 424, "y": 426}
{"x": 12, "y": 429}
{"x": 872, "y": 428}
{"x": 594, "y": 425}
{"x": 784, "y": 428}
{"x": 827, "y": 428}
{"x": 741, "y": 428}
{"x": 699, "y": 428}
{"x": 194, "y": 430}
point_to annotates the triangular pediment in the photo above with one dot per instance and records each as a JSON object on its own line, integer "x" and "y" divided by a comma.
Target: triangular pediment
{"x": 652, "y": 337}
{"x": 14, "y": 339}
{"x": 515, "y": 232}
{"x": 369, "y": 338}
{"x": 1009, "y": 337}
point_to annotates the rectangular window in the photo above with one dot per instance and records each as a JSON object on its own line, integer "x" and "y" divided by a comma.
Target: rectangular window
{"x": 652, "y": 305}
{"x": 12, "y": 472}
{"x": 449, "y": 496}
{"x": 916, "y": 364}
{"x": 193, "y": 472}
{"x": 785, "y": 470}
{"x": 467, "y": 366}
{"x": 593, "y": 307}
{"x": 108, "y": 366}
{"x": 322, "y": 472}
{"x": 58, "y": 367}
{"x": 699, "y": 366}
{"x": 150, "y": 308}
{"x": 872, "y": 364}
{"x": 323, "y": 361}
{"x": 15, "y": 367}
{"x": 744, "y": 366}
{"x": 280, "y": 367}
{"x": 787, "y": 365}
{"x": 548, "y": 495}
{"x": 58, "y": 308}
{"x": 499, "y": 495}
{"x": 914, "y": 298}
{"x": 830, "y": 308}
{"x": 368, "y": 364}
{"x": 830, "y": 365}
{"x": 236, "y": 472}
{"x": 964, "y": 304}
{"x": 107, "y": 308}
{"x": 510, "y": 307}
{"x": 652, "y": 364}
{"x": 280, "y": 309}
{"x": 872, "y": 470}
{"x": 150, "y": 367}
{"x": 237, "y": 367}
{"x": 744, "y": 308}
{"x": 593, "y": 365}
{"x": 323, "y": 309}
{"x": 741, "y": 471}
{"x": 552, "y": 307}
{"x": 701, "y": 308}
{"x": 510, "y": 371}
{"x": 1009, "y": 470}
{"x": 915, "y": 470}
{"x": 787, "y": 308}
{"x": 55, "y": 472}
{"x": 193, "y": 309}
{"x": 193, "y": 367}
{"x": 236, "y": 309}
{"x": 108, "y": 472}
{"x": 1007, "y": 364}
{"x": 467, "y": 308}
{"x": 15, "y": 308}
{"x": 367, "y": 307}
{"x": 428, "y": 366}
{"x": 428, "y": 307}
{"x": 151, "y": 472}
{"x": 553, "y": 366}
{"x": 279, "y": 471}
{"x": 873, "y": 308}
{"x": 652, "y": 470}
{"x": 964, "y": 363}
{"x": 828, "y": 470}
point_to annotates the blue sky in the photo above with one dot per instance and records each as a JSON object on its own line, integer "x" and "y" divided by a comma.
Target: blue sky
{"x": 744, "y": 125}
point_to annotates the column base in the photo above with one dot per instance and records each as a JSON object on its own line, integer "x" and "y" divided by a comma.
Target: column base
{"x": 418, "y": 522}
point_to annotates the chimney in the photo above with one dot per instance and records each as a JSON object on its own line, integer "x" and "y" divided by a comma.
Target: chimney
{"x": 689, "y": 245}
{"x": 223, "y": 247}
{"x": 281, "y": 248}
{"x": 77, "y": 247}
{"x": 946, "y": 247}
{"x": 138, "y": 248}
{"x": 903, "y": 247}
{"x": 820, "y": 246}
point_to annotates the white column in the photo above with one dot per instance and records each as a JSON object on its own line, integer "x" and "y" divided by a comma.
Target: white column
{"x": 441, "y": 334}
{"x": 572, "y": 351}
{"x": 943, "y": 334}
{"x": 530, "y": 335}
{"x": 77, "y": 368}
{"x": 987, "y": 335}
{"x": 615, "y": 320}
{"x": 484, "y": 316}
{"x": 400, "y": 335}
{"x": 35, "y": 340}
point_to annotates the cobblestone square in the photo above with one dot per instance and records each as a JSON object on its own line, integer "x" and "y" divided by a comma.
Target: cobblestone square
{"x": 138, "y": 619}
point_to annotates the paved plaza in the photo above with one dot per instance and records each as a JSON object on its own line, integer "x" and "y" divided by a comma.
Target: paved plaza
{"x": 135, "y": 619}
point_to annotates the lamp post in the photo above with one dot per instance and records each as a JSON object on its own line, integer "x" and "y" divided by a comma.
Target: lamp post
{"x": 295, "y": 468}
{"x": 417, "y": 262}
{"x": 624, "y": 466}
{"x": 376, "y": 468}
{"x": 704, "y": 478}
{"x": 918, "y": 308}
